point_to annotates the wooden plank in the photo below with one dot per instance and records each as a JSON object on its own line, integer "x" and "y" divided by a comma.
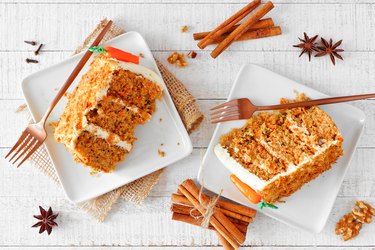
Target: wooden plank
{"x": 186, "y": 248}
{"x": 13, "y": 123}
{"x": 207, "y": 78}
{"x": 359, "y": 180}
{"x": 237, "y": 2}
{"x": 64, "y": 26}
{"x": 150, "y": 224}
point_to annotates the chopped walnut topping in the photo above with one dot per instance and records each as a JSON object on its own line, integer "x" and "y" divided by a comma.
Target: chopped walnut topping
{"x": 321, "y": 141}
{"x": 184, "y": 29}
{"x": 348, "y": 227}
{"x": 350, "y": 224}
{"x": 161, "y": 153}
{"x": 178, "y": 59}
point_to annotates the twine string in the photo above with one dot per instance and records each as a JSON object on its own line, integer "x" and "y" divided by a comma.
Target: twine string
{"x": 210, "y": 208}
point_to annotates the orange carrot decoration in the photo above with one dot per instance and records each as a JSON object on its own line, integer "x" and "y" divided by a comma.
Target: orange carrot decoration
{"x": 116, "y": 53}
{"x": 250, "y": 193}
{"x": 122, "y": 55}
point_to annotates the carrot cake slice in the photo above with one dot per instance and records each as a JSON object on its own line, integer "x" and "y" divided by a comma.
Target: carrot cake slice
{"x": 98, "y": 123}
{"x": 277, "y": 153}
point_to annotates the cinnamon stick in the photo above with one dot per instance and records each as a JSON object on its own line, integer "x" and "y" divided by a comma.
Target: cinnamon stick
{"x": 191, "y": 211}
{"x": 214, "y": 222}
{"x": 194, "y": 191}
{"x": 188, "y": 219}
{"x": 240, "y": 209}
{"x": 228, "y": 208}
{"x": 263, "y": 23}
{"x": 258, "y": 14}
{"x": 253, "y": 34}
{"x": 224, "y": 242}
{"x": 229, "y": 23}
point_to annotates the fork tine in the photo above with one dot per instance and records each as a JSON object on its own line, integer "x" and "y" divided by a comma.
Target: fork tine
{"x": 26, "y": 148}
{"x": 23, "y": 143}
{"x": 230, "y": 103}
{"x": 225, "y": 119}
{"x": 225, "y": 110}
{"x": 36, "y": 146}
{"x": 20, "y": 140}
{"x": 229, "y": 113}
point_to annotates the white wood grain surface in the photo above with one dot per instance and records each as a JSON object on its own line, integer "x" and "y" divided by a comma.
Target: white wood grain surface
{"x": 63, "y": 24}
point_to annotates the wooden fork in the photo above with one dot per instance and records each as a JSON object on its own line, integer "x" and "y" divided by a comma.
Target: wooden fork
{"x": 35, "y": 134}
{"x": 243, "y": 108}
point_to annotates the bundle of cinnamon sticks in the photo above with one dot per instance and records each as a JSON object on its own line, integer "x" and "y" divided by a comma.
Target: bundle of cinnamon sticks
{"x": 230, "y": 31}
{"x": 229, "y": 220}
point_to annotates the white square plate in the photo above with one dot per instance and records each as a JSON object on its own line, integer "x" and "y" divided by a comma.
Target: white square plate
{"x": 40, "y": 88}
{"x": 309, "y": 207}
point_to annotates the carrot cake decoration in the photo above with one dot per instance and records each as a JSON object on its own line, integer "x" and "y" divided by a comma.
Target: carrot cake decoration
{"x": 250, "y": 193}
{"x": 118, "y": 54}
{"x": 274, "y": 154}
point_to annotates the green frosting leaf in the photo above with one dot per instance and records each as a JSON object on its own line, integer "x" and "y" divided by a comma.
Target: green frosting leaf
{"x": 97, "y": 49}
{"x": 263, "y": 204}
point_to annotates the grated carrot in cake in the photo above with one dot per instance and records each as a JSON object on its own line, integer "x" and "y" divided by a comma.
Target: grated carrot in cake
{"x": 277, "y": 153}
{"x": 98, "y": 123}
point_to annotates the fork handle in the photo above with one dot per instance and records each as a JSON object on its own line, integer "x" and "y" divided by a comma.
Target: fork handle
{"x": 74, "y": 73}
{"x": 316, "y": 102}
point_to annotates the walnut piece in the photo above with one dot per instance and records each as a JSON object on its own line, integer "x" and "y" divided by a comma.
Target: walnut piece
{"x": 178, "y": 59}
{"x": 348, "y": 227}
{"x": 364, "y": 212}
{"x": 351, "y": 223}
{"x": 184, "y": 29}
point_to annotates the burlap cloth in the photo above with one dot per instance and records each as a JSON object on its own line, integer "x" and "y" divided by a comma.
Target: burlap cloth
{"x": 138, "y": 190}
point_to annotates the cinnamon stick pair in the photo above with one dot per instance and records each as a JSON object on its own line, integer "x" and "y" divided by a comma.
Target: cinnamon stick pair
{"x": 229, "y": 31}
{"x": 229, "y": 220}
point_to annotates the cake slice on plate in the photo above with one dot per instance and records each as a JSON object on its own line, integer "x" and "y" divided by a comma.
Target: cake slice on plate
{"x": 99, "y": 121}
{"x": 277, "y": 153}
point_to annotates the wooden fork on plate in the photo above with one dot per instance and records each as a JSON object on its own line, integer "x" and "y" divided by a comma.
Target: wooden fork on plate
{"x": 243, "y": 108}
{"x": 35, "y": 134}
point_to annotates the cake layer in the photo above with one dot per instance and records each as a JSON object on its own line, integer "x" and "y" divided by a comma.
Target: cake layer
{"x": 250, "y": 154}
{"x": 97, "y": 153}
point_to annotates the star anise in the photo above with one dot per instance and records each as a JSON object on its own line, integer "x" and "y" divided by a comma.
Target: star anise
{"x": 47, "y": 220}
{"x": 308, "y": 45}
{"x": 330, "y": 49}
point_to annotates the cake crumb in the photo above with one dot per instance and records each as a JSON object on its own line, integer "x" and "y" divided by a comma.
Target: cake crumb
{"x": 21, "y": 108}
{"x": 161, "y": 119}
{"x": 141, "y": 55}
{"x": 184, "y": 29}
{"x": 177, "y": 59}
{"x": 162, "y": 144}
{"x": 161, "y": 153}
{"x": 178, "y": 144}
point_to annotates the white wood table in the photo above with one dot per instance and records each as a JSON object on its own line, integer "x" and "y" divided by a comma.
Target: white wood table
{"x": 63, "y": 25}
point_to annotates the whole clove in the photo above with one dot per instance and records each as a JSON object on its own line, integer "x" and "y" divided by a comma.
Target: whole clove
{"x": 28, "y": 60}
{"x": 36, "y": 52}
{"x": 33, "y": 43}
